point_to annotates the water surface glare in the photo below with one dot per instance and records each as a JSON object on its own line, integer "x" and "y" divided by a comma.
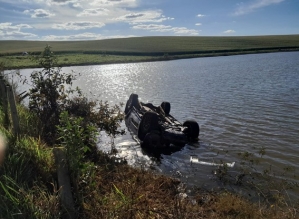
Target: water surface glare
{"x": 242, "y": 103}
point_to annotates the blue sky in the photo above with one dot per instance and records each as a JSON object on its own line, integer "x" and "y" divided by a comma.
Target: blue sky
{"x": 102, "y": 19}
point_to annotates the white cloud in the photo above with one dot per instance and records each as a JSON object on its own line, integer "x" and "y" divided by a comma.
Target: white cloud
{"x": 143, "y": 17}
{"x": 164, "y": 28}
{"x": 83, "y": 3}
{"x": 82, "y": 36}
{"x": 184, "y": 31}
{"x": 113, "y": 3}
{"x": 8, "y": 31}
{"x": 153, "y": 27}
{"x": 254, "y": 5}
{"x": 200, "y": 15}
{"x": 93, "y": 12}
{"x": 16, "y": 35}
{"x": 10, "y": 27}
{"x": 39, "y": 13}
{"x": 80, "y": 25}
{"x": 61, "y": 2}
{"x": 198, "y": 24}
{"x": 84, "y": 15}
{"x": 229, "y": 31}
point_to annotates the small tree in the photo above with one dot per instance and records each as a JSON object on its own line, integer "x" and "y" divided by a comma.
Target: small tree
{"x": 52, "y": 93}
{"x": 48, "y": 92}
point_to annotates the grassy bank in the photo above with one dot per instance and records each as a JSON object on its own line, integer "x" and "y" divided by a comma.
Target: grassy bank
{"x": 102, "y": 185}
{"x": 143, "y": 49}
{"x": 106, "y": 187}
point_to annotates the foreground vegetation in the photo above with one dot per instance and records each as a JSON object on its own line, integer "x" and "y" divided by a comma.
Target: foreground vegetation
{"x": 143, "y": 49}
{"x": 102, "y": 186}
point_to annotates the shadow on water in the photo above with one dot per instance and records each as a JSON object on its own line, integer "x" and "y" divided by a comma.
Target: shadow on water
{"x": 156, "y": 152}
{"x": 159, "y": 152}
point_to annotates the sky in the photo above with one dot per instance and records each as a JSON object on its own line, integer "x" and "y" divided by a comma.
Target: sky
{"x": 102, "y": 19}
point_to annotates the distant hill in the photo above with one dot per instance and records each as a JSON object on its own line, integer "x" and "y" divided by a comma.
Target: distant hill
{"x": 156, "y": 45}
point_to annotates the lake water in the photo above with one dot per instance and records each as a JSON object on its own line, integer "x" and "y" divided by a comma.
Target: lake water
{"x": 244, "y": 103}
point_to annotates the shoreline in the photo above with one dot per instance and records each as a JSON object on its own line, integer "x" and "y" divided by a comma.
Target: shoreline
{"x": 123, "y": 59}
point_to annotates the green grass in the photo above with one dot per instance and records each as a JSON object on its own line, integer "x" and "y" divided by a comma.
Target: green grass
{"x": 27, "y": 174}
{"x": 19, "y": 62}
{"x": 139, "y": 49}
{"x": 155, "y": 44}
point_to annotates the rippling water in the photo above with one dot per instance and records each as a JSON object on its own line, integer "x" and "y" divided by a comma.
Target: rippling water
{"x": 242, "y": 103}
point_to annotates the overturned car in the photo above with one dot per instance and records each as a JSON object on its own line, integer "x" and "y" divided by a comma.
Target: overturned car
{"x": 155, "y": 127}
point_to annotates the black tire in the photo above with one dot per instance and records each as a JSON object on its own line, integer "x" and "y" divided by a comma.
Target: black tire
{"x": 148, "y": 123}
{"x": 133, "y": 101}
{"x": 166, "y": 107}
{"x": 192, "y": 129}
{"x": 151, "y": 140}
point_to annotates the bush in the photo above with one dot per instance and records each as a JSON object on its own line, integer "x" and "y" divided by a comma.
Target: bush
{"x": 52, "y": 93}
{"x": 48, "y": 93}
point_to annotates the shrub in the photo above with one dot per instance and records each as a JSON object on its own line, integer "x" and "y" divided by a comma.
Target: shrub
{"x": 52, "y": 93}
{"x": 48, "y": 92}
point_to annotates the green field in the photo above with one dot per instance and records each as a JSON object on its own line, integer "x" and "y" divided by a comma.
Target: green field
{"x": 155, "y": 44}
{"x": 143, "y": 49}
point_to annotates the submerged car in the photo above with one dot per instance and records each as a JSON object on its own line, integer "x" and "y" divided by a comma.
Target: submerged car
{"x": 155, "y": 127}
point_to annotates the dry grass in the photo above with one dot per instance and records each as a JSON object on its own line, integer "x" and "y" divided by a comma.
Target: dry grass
{"x": 124, "y": 192}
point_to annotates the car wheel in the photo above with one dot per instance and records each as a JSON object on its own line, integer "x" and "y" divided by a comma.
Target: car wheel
{"x": 151, "y": 140}
{"x": 148, "y": 123}
{"x": 192, "y": 129}
{"x": 133, "y": 101}
{"x": 166, "y": 107}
